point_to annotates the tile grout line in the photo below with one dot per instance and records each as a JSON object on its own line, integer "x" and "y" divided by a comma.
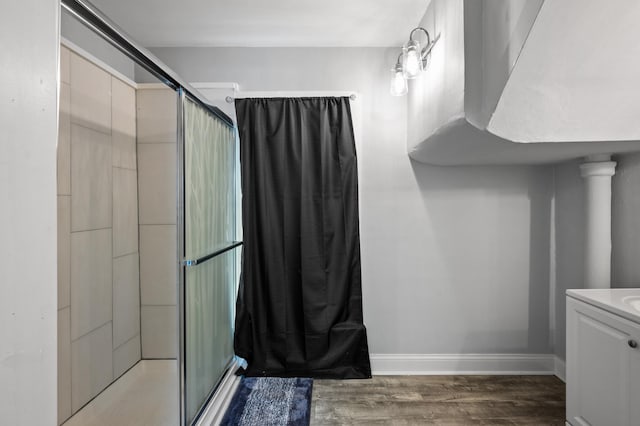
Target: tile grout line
{"x": 159, "y": 305}
{"x": 137, "y": 161}
{"x": 120, "y": 256}
{"x": 84, "y": 126}
{"x": 113, "y": 277}
{"x": 91, "y": 230}
{"x": 92, "y": 330}
{"x": 69, "y": 115}
{"x": 157, "y": 143}
{"x": 127, "y": 341}
{"x": 124, "y": 168}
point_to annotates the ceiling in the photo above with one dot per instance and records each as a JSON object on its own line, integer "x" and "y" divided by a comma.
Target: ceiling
{"x": 260, "y": 23}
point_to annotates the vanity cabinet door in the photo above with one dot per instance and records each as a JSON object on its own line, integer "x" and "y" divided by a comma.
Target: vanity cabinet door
{"x": 601, "y": 365}
{"x": 634, "y": 380}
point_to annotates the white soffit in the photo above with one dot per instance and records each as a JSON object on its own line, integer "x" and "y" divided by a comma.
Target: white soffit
{"x": 578, "y": 76}
{"x": 260, "y": 23}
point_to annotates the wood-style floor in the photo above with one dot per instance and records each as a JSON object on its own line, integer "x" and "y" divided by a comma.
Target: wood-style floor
{"x": 439, "y": 400}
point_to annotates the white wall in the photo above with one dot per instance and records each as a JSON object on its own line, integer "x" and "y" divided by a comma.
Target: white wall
{"x": 625, "y": 232}
{"x": 495, "y": 32}
{"x": 570, "y": 88}
{"x": 455, "y": 260}
{"x": 569, "y": 237}
{"x": 569, "y": 242}
{"x": 437, "y": 96}
{"x": 28, "y": 118}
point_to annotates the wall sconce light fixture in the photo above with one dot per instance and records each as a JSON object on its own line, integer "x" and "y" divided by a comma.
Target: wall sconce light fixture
{"x": 411, "y": 62}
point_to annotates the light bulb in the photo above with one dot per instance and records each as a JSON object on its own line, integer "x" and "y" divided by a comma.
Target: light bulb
{"x": 411, "y": 59}
{"x": 398, "y": 82}
{"x": 412, "y": 68}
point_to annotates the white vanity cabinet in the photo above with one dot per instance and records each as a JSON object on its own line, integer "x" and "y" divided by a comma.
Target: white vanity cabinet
{"x": 603, "y": 358}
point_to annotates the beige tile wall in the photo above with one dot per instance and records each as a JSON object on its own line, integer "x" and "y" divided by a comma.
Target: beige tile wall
{"x": 91, "y": 280}
{"x": 64, "y": 363}
{"x": 157, "y": 160}
{"x": 98, "y": 259}
{"x": 64, "y": 240}
{"x": 91, "y": 365}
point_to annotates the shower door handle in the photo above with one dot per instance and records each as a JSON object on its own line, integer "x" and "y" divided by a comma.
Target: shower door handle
{"x": 198, "y": 261}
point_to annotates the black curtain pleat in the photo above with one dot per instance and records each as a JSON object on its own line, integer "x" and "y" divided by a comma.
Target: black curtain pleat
{"x": 299, "y": 307}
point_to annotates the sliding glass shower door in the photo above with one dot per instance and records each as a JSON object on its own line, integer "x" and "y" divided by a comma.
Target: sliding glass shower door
{"x": 210, "y": 249}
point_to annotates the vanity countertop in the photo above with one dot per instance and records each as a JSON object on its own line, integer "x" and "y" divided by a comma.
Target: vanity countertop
{"x": 620, "y": 301}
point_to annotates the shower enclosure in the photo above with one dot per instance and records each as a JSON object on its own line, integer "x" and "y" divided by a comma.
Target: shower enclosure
{"x": 184, "y": 163}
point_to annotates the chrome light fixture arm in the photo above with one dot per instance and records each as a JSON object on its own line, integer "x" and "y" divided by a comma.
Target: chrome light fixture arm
{"x": 399, "y": 62}
{"x": 427, "y": 48}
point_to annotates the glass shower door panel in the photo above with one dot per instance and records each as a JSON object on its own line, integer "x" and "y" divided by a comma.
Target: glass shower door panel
{"x": 209, "y": 299}
{"x": 210, "y": 191}
{"x": 210, "y": 257}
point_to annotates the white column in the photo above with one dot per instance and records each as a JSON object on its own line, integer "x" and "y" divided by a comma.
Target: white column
{"x": 597, "y": 173}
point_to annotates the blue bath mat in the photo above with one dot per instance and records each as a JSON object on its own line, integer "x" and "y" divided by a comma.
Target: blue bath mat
{"x": 270, "y": 401}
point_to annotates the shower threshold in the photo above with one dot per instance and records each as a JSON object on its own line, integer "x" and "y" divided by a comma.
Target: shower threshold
{"x": 147, "y": 394}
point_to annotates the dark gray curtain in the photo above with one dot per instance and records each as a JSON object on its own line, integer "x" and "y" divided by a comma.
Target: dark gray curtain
{"x": 299, "y": 308}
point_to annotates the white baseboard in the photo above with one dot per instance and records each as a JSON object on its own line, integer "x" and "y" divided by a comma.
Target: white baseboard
{"x": 433, "y": 364}
{"x": 560, "y": 369}
{"x": 218, "y": 404}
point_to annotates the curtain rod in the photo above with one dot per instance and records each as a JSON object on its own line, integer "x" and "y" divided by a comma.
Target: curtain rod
{"x": 230, "y": 99}
{"x": 107, "y": 29}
